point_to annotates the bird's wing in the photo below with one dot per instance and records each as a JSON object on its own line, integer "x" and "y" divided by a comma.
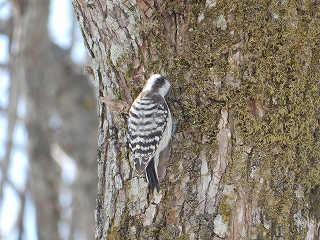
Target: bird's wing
{"x": 148, "y": 118}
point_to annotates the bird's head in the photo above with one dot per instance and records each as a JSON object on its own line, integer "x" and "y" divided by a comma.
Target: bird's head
{"x": 158, "y": 84}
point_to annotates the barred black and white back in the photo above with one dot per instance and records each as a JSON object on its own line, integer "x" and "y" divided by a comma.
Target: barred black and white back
{"x": 150, "y": 127}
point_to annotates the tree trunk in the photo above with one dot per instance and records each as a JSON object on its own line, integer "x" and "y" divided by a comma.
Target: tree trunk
{"x": 244, "y": 160}
{"x": 60, "y": 108}
{"x": 44, "y": 171}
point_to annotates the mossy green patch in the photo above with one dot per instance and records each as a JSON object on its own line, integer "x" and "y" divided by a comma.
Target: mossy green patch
{"x": 277, "y": 47}
{"x": 280, "y": 70}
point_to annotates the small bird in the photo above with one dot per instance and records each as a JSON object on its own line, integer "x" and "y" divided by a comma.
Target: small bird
{"x": 150, "y": 127}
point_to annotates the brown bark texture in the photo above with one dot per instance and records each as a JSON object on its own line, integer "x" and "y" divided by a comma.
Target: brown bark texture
{"x": 244, "y": 160}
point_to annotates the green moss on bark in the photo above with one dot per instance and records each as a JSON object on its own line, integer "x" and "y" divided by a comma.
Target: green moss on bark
{"x": 279, "y": 68}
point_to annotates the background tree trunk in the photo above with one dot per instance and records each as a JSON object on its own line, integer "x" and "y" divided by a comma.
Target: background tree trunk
{"x": 60, "y": 119}
{"x": 244, "y": 162}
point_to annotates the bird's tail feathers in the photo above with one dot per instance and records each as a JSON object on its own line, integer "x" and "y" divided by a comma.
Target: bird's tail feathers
{"x": 152, "y": 175}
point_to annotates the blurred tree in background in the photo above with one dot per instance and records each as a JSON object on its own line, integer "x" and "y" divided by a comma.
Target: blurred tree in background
{"x": 54, "y": 106}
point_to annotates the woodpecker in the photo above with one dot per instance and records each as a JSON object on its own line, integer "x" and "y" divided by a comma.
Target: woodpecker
{"x": 150, "y": 128}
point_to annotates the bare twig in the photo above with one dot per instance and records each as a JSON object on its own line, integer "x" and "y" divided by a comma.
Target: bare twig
{"x": 12, "y": 115}
{"x": 117, "y": 105}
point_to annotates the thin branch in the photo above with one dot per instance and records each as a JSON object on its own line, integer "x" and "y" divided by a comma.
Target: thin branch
{"x": 20, "y": 218}
{"x": 12, "y": 115}
{"x": 117, "y": 105}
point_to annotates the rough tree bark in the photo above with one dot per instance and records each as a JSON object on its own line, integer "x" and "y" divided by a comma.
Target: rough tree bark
{"x": 244, "y": 162}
